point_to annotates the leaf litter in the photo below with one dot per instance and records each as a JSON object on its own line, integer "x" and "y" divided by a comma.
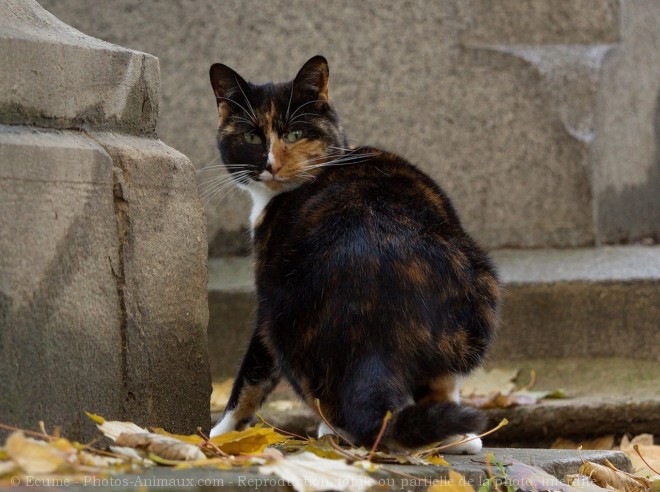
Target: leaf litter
{"x": 307, "y": 464}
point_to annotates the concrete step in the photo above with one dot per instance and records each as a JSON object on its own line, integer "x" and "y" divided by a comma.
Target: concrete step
{"x": 591, "y": 302}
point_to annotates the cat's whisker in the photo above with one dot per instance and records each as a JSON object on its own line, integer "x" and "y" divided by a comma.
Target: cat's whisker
{"x": 286, "y": 117}
{"x": 300, "y": 116}
{"x": 306, "y": 104}
{"x": 211, "y": 161}
{"x": 219, "y": 180}
{"x": 254, "y": 122}
{"x": 214, "y": 191}
{"x": 246, "y": 99}
{"x": 342, "y": 162}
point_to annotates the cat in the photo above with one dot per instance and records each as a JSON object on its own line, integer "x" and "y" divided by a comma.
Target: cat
{"x": 371, "y": 296}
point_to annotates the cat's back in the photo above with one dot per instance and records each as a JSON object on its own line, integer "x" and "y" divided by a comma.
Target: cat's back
{"x": 371, "y": 200}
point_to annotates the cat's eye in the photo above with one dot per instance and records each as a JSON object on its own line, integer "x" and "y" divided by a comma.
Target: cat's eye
{"x": 252, "y": 138}
{"x": 294, "y": 136}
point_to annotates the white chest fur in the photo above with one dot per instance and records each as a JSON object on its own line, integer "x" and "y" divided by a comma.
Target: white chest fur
{"x": 261, "y": 195}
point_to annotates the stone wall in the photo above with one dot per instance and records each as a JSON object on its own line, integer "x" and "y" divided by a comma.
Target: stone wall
{"x": 538, "y": 117}
{"x": 103, "y": 303}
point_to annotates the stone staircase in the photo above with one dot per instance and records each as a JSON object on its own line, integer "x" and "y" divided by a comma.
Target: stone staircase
{"x": 586, "y": 320}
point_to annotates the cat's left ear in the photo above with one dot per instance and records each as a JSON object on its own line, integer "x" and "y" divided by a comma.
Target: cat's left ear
{"x": 313, "y": 76}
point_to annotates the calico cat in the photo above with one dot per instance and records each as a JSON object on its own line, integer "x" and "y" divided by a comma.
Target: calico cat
{"x": 371, "y": 297}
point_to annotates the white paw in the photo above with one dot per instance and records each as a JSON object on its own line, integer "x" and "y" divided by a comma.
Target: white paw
{"x": 473, "y": 446}
{"x": 224, "y": 425}
{"x": 325, "y": 430}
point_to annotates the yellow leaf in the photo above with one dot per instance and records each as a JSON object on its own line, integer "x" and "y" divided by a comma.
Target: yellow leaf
{"x": 191, "y": 439}
{"x": 252, "y": 440}
{"x": 607, "y": 475}
{"x": 437, "y": 460}
{"x": 96, "y": 418}
{"x": 35, "y": 457}
{"x": 455, "y": 482}
{"x": 486, "y": 383}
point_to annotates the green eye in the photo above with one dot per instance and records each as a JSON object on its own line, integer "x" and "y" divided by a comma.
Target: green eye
{"x": 252, "y": 138}
{"x": 294, "y": 136}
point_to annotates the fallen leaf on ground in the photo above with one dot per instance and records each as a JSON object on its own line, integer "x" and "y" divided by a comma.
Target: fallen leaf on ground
{"x": 582, "y": 482}
{"x": 220, "y": 394}
{"x": 607, "y": 475}
{"x": 647, "y": 449}
{"x": 455, "y": 482}
{"x": 603, "y": 442}
{"x": 38, "y": 457}
{"x": 163, "y": 446}
{"x": 114, "y": 428}
{"x": 307, "y": 472}
{"x": 529, "y": 478}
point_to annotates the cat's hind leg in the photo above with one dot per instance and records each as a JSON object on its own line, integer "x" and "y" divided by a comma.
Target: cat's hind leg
{"x": 447, "y": 388}
{"x": 255, "y": 380}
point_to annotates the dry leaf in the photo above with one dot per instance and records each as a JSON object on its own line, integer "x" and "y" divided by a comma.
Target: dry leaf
{"x": 38, "y": 457}
{"x": 603, "y": 442}
{"x": 306, "y": 472}
{"x": 648, "y": 450}
{"x": 608, "y": 475}
{"x": 529, "y": 478}
{"x": 252, "y": 440}
{"x": 582, "y": 482}
{"x": 220, "y": 394}
{"x": 162, "y": 446}
{"x": 437, "y": 460}
{"x": 114, "y": 428}
{"x": 455, "y": 482}
{"x": 7, "y": 468}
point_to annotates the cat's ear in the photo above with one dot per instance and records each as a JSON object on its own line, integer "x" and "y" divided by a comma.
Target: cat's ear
{"x": 313, "y": 77}
{"x": 226, "y": 84}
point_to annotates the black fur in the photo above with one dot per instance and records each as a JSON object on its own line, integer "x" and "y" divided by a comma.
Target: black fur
{"x": 370, "y": 292}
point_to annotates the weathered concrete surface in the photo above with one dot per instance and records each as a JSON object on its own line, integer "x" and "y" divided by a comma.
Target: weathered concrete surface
{"x": 627, "y": 170}
{"x": 60, "y": 317}
{"x": 558, "y": 463}
{"x": 591, "y": 302}
{"x": 537, "y": 119}
{"x": 163, "y": 254}
{"x": 103, "y": 274}
{"x": 106, "y": 86}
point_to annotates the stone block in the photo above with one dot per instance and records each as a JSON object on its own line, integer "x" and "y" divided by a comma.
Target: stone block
{"x": 538, "y": 118}
{"x": 57, "y": 77}
{"x": 163, "y": 281}
{"x": 60, "y": 317}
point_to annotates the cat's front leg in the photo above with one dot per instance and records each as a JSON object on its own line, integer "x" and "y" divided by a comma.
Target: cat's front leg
{"x": 255, "y": 380}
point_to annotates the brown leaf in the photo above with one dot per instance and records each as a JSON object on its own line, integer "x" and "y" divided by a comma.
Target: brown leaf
{"x": 163, "y": 446}
{"x": 647, "y": 449}
{"x": 607, "y": 475}
{"x": 529, "y": 478}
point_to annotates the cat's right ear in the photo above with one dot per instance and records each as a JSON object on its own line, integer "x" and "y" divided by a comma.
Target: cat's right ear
{"x": 226, "y": 84}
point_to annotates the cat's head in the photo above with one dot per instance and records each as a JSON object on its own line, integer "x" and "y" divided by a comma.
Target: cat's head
{"x": 277, "y": 135}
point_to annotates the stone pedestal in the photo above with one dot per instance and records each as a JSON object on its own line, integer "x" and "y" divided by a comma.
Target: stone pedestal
{"x": 103, "y": 273}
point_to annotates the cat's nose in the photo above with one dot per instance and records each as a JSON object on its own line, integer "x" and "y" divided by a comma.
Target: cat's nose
{"x": 272, "y": 164}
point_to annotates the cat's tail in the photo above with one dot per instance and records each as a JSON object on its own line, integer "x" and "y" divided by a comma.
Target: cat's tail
{"x": 423, "y": 424}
